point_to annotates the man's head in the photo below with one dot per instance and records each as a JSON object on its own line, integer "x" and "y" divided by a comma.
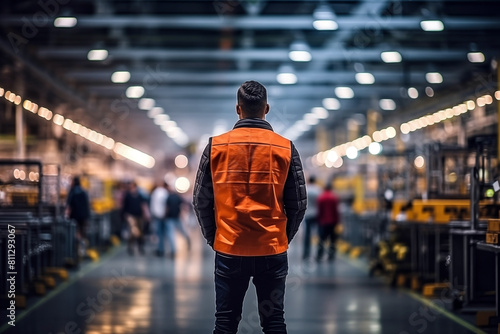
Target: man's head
{"x": 312, "y": 179}
{"x": 252, "y": 100}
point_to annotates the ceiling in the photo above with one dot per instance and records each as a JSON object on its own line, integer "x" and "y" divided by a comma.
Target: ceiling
{"x": 191, "y": 56}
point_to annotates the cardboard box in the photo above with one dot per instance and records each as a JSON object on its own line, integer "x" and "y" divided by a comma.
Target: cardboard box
{"x": 492, "y": 238}
{"x": 494, "y": 225}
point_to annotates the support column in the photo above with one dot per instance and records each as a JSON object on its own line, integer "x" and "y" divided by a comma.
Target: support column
{"x": 20, "y": 137}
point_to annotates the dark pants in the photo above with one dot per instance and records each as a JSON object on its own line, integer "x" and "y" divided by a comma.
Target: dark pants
{"x": 311, "y": 224}
{"x": 326, "y": 232}
{"x": 232, "y": 276}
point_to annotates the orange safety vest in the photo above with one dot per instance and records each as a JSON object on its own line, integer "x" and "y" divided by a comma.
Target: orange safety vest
{"x": 249, "y": 168}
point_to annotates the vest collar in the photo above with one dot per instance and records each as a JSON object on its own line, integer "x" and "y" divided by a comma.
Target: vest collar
{"x": 253, "y": 123}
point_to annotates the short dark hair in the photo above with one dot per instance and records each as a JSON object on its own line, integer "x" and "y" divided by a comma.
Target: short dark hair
{"x": 252, "y": 98}
{"x": 76, "y": 181}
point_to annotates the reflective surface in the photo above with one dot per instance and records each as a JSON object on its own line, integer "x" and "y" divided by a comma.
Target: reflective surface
{"x": 148, "y": 294}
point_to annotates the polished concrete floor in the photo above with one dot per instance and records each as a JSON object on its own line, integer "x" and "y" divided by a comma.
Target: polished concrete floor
{"x": 147, "y": 294}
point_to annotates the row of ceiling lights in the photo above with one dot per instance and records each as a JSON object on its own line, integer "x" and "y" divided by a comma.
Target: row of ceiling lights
{"x": 333, "y": 157}
{"x": 78, "y": 129}
{"x": 157, "y": 113}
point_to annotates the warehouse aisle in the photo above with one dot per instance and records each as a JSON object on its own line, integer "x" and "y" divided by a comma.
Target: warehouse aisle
{"x": 147, "y": 294}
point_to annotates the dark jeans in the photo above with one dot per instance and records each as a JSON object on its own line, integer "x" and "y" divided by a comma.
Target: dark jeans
{"x": 311, "y": 223}
{"x": 326, "y": 232}
{"x": 232, "y": 275}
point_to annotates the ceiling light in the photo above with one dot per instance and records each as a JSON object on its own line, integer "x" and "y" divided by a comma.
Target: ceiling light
{"x": 387, "y": 104}
{"x": 65, "y": 22}
{"x": 497, "y": 95}
{"x": 311, "y": 119}
{"x": 134, "y": 92}
{"x": 434, "y": 77}
{"x": 146, "y": 103}
{"x": 161, "y": 118}
{"x": 413, "y": 92}
{"x": 181, "y": 161}
{"x": 302, "y": 126}
{"x": 324, "y": 18}
{"x": 286, "y": 76}
{"x": 120, "y": 76}
{"x": 321, "y": 113}
{"x": 375, "y": 148}
{"x": 391, "y": 57}
{"x": 155, "y": 111}
{"x": 182, "y": 184}
{"x": 365, "y": 78}
{"x": 331, "y": 103}
{"x": 432, "y": 25}
{"x": 344, "y": 92}
{"x": 1, "y": 91}
{"x": 100, "y": 54}
{"x": 299, "y": 51}
{"x": 475, "y": 57}
{"x": 405, "y": 128}
{"x": 429, "y": 91}
{"x": 471, "y": 105}
{"x": 58, "y": 119}
{"x": 351, "y": 152}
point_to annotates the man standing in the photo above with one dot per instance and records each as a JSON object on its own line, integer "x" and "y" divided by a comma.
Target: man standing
{"x": 78, "y": 209}
{"x": 311, "y": 215}
{"x": 250, "y": 198}
{"x": 175, "y": 204}
{"x": 136, "y": 212}
{"x": 328, "y": 218}
{"x": 158, "y": 208}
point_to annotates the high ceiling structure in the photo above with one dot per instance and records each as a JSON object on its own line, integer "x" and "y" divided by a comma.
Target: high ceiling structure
{"x": 394, "y": 57}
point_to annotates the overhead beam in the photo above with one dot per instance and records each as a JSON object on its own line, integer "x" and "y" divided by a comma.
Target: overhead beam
{"x": 265, "y": 22}
{"x": 338, "y": 54}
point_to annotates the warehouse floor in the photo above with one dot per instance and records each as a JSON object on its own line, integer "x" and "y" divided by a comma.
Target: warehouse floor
{"x": 147, "y": 294}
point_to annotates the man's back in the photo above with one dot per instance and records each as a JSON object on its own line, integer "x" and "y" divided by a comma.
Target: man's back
{"x": 249, "y": 169}
{"x": 328, "y": 208}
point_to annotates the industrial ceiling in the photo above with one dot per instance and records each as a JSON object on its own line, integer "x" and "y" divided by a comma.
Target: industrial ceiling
{"x": 186, "y": 59}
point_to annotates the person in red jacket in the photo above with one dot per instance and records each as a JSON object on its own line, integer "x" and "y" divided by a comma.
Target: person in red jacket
{"x": 328, "y": 218}
{"x": 249, "y": 198}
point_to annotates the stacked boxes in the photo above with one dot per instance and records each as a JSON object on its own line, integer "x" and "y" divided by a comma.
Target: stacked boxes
{"x": 493, "y": 231}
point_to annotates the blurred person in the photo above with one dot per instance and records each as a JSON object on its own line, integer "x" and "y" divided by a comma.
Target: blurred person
{"x": 249, "y": 198}
{"x": 328, "y": 218}
{"x": 311, "y": 215}
{"x": 78, "y": 209}
{"x": 135, "y": 211}
{"x": 158, "y": 208}
{"x": 175, "y": 204}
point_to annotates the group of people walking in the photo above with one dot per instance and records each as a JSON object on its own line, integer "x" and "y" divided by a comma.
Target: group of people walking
{"x": 163, "y": 211}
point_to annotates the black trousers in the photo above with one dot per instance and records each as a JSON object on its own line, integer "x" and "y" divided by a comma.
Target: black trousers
{"x": 232, "y": 276}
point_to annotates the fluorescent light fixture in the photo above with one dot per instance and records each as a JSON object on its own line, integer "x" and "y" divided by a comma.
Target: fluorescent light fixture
{"x": 434, "y": 77}
{"x": 134, "y": 155}
{"x": 475, "y": 57}
{"x": 146, "y": 103}
{"x": 344, "y": 92}
{"x": 413, "y": 92}
{"x": 301, "y": 126}
{"x": 429, "y": 91}
{"x": 181, "y": 161}
{"x": 321, "y": 113}
{"x": 432, "y": 25}
{"x": 351, "y": 152}
{"x": 311, "y": 119}
{"x": 365, "y": 78}
{"x": 300, "y": 56}
{"x": 299, "y": 51}
{"x": 324, "y": 18}
{"x": 120, "y": 76}
{"x": 286, "y": 78}
{"x": 58, "y": 119}
{"x": 387, "y": 104}
{"x": 135, "y": 92}
{"x": 160, "y": 119}
{"x": 182, "y": 184}
{"x": 331, "y": 103}
{"x": 99, "y": 54}
{"x": 391, "y": 57}
{"x": 155, "y": 111}
{"x": 65, "y": 22}
{"x": 497, "y": 95}
{"x": 375, "y": 148}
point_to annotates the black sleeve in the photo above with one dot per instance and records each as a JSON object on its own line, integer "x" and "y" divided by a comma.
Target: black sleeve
{"x": 203, "y": 197}
{"x": 295, "y": 196}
